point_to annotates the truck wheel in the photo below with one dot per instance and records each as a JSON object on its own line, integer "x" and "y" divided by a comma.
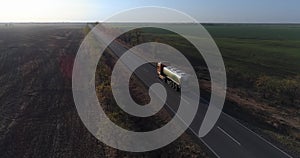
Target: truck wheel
{"x": 169, "y": 82}
{"x": 173, "y": 85}
{"x": 176, "y": 87}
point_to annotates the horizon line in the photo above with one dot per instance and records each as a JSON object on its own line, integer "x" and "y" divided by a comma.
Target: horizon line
{"x": 88, "y": 22}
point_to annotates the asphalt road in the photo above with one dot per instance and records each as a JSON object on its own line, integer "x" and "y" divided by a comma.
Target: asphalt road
{"x": 228, "y": 138}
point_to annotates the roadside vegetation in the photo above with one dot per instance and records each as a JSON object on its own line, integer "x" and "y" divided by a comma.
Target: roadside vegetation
{"x": 88, "y": 27}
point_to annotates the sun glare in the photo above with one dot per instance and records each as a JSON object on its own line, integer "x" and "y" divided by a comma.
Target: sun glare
{"x": 41, "y": 10}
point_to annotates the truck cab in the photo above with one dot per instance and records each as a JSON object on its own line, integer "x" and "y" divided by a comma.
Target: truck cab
{"x": 159, "y": 69}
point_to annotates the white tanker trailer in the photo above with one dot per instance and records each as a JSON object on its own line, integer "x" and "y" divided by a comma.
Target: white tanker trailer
{"x": 171, "y": 75}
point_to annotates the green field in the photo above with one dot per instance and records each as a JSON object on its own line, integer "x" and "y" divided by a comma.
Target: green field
{"x": 259, "y": 49}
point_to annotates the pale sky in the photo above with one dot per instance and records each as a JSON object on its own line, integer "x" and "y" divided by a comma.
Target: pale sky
{"x": 262, "y": 11}
{"x": 44, "y": 10}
